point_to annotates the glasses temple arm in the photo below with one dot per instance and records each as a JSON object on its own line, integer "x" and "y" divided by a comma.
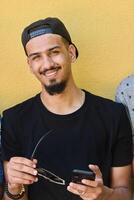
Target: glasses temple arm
{"x": 33, "y": 153}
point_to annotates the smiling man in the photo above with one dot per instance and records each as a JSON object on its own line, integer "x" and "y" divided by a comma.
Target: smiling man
{"x": 63, "y": 128}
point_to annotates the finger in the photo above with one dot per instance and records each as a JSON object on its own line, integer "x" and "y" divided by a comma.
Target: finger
{"x": 78, "y": 188}
{"x": 22, "y": 160}
{"x": 21, "y": 168}
{"x": 97, "y": 172}
{"x": 90, "y": 183}
{"x": 83, "y": 193}
{"x": 35, "y": 161}
{"x": 74, "y": 191}
{"x": 16, "y": 180}
{"x": 22, "y": 175}
{"x": 85, "y": 189}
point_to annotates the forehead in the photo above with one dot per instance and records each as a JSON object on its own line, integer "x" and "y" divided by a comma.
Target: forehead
{"x": 44, "y": 42}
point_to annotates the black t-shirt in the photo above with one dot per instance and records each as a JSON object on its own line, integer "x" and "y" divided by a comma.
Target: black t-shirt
{"x": 97, "y": 133}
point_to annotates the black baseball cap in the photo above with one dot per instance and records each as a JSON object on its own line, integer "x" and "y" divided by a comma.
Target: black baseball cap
{"x": 44, "y": 26}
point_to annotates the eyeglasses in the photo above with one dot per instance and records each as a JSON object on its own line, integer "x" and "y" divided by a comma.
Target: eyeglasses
{"x": 43, "y": 172}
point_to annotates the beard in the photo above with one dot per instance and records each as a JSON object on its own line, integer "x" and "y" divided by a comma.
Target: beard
{"x": 55, "y": 88}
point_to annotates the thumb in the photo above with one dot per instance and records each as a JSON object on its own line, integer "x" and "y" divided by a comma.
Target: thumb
{"x": 98, "y": 174}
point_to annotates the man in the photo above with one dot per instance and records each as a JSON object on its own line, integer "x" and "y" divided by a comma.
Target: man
{"x": 63, "y": 128}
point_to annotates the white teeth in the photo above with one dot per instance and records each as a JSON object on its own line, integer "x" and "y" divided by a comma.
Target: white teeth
{"x": 50, "y": 72}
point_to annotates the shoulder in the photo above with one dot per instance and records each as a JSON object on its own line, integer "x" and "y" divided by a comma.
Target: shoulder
{"x": 24, "y": 108}
{"x": 127, "y": 82}
{"x": 113, "y": 115}
{"x": 124, "y": 91}
{"x": 105, "y": 106}
{"x": 102, "y": 101}
{"x": 125, "y": 85}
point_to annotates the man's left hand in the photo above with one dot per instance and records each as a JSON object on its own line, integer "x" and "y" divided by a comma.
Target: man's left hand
{"x": 90, "y": 190}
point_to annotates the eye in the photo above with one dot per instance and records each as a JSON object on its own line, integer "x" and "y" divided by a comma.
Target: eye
{"x": 36, "y": 57}
{"x": 55, "y": 52}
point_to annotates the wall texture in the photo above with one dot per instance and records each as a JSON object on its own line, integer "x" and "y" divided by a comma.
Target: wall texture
{"x": 102, "y": 30}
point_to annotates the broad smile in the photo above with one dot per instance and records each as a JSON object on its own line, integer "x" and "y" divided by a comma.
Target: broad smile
{"x": 51, "y": 72}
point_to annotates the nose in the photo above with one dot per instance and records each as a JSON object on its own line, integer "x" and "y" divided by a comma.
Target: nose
{"x": 47, "y": 62}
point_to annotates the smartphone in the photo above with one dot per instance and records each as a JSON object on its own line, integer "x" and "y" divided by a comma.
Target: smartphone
{"x": 78, "y": 175}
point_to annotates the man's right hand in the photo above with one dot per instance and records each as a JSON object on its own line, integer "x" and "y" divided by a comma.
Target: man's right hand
{"x": 19, "y": 171}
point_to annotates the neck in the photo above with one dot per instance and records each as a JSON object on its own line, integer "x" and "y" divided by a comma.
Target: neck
{"x": 70, "y": 100}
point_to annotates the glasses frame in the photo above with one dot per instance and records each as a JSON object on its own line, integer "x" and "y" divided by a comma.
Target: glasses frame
{"x": 43, "y": 172}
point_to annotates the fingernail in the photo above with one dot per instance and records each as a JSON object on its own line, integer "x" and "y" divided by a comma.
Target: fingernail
{"x": 68, "y": 187}
{"x": 84, "y": 181}
{"x": 36, "y": 179}
{"x": 71, "y": 184}
{"x": 35, "y": 160}
{"x": 35, "y": 172}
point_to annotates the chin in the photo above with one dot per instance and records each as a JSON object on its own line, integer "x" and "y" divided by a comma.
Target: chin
{"x": 55, "y": 88}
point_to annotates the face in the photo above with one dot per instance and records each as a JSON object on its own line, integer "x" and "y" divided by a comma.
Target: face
{"x": 50, "y": 58}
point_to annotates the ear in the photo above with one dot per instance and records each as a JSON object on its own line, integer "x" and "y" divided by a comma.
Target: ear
{"x": 72, "y": 52}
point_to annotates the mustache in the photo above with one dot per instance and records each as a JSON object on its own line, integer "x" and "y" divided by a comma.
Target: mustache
{"x": 52, "y": 68}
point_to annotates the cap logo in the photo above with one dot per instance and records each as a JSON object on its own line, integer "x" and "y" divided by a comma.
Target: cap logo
{"x": 39, "y": 32}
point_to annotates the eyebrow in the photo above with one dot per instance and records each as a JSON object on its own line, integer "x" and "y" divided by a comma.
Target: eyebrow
{"x": 36, "y": 53}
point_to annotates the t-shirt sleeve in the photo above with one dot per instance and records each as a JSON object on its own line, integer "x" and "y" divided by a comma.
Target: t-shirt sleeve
{"x": 122, "y": 148}
{"x": 9, "y": 140}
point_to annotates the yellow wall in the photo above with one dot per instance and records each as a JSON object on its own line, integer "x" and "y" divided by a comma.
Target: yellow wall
{"x": 103, "y": 31}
